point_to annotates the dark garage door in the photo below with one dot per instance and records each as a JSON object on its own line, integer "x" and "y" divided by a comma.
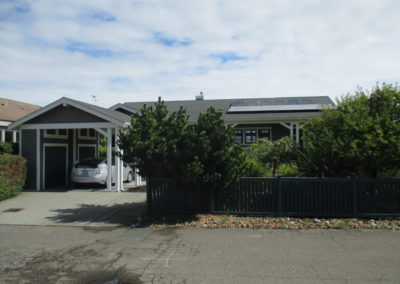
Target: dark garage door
{"x": 87, "y": 152}
{"x": 55, "y": 166}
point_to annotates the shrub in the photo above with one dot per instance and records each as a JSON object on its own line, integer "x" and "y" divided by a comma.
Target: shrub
{"x": 288, "y": 170}
{"x": 254, "y": 168}
{"x": 12, "y": 175}
{"x": 361, "y": 137}
{"x": 273, "y": 153}
{"x": 5, "y": 148}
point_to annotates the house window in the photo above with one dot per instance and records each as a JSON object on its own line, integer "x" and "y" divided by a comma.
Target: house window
{"x": 251, "y": 135}
{"x": 264, "y": 134}
{"x": 87, "y": 133}
{"x": 239, "y": 136}
{"x": 55, "y": 133}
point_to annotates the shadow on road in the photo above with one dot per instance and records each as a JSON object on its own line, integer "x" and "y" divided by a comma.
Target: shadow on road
{"x": 119, "y": 214}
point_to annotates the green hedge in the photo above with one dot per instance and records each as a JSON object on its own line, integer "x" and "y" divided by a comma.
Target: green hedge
{"x": 12, "y": 175}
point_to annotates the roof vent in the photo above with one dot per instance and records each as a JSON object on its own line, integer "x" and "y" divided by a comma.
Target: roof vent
{"x": 200, "y": 97}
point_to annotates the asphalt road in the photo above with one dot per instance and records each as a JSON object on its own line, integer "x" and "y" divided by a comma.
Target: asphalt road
{"x": 56, "y": 254}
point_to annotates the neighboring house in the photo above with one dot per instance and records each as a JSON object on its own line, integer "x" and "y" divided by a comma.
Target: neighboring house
{"x": 11, "y": 111}
{"x": 56, "y": 136}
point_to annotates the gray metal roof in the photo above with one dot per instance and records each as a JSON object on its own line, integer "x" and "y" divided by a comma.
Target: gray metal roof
{"x": 195, "y": 107}
{"x": 108, "y": 112}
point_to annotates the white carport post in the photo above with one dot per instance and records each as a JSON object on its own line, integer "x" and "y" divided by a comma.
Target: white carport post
{"x": 138, "y": 179}
{"x": 117, "y": 162}
{"x": 38, "y": 156}
{"x": 109, "y": 159}
{"x": 121, "y": 178}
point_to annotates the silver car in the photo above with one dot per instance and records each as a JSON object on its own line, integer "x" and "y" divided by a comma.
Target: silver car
{"x": 94, "y": 170}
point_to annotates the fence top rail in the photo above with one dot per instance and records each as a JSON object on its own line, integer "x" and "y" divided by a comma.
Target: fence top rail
{"x": 319, "y": 179}
{"x": 299, "y": 179}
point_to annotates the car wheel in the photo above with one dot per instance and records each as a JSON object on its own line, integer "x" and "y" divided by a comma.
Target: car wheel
{"x": 129, "y": 178}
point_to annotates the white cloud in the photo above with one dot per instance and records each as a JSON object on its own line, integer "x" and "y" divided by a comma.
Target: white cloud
{"x": 78, "y": 49}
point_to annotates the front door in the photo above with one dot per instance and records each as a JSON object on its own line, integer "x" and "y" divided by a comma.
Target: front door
{"x": 55, "y": 166}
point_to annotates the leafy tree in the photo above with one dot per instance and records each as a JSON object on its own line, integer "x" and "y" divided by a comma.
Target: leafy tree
{"x": 360, "y": 137}
{"x": 273, "y": 153}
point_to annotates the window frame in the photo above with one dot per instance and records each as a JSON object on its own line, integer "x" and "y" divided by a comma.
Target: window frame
{"x": 57, "y": 135}
{"x": 257, "y": 129}
{"x": 87, "y": 137}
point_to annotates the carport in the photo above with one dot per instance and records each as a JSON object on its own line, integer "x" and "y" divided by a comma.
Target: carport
{"x": 55, "y": 137}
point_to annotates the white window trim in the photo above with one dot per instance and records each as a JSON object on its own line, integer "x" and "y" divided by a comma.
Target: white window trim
{"x": 253, "y": 128}
{"x": 85, "y": 145}
{"x": 57, "y": 135}
{"x": 87, "y": 137}
{"x": 44, "y": 161}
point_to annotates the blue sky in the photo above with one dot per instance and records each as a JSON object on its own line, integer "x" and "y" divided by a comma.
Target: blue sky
{"x": 139, "y": 50}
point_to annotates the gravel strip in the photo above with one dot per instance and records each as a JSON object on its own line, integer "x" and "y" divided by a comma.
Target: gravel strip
{"x": 232, "y": 221}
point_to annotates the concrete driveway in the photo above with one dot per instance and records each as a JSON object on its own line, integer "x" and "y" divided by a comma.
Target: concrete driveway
{"x": 73, "y": 208}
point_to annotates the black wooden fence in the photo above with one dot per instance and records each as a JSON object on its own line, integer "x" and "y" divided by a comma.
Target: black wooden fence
{"x": 313, "y": 197}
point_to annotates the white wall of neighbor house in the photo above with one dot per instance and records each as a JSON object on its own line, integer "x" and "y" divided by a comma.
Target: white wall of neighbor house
{"x": 12, "y": 134}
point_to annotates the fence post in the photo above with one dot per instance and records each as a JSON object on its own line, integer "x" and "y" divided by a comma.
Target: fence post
{"x": 354, "y": 198}
{"x": 279, "y": 196}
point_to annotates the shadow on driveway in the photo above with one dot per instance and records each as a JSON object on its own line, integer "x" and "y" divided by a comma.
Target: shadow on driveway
{"x": 123, "y": 214}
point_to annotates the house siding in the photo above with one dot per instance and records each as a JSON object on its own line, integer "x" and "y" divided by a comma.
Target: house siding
{"x": 30, "y": 154}
{"x": 62, "y": 114}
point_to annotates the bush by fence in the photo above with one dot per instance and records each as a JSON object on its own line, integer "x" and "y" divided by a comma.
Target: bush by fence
{"x": 12, "y": 175}
{"x": 312, "y": 197}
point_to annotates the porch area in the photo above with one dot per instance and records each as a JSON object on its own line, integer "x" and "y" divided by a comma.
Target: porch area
{"x": 55, "y": 138}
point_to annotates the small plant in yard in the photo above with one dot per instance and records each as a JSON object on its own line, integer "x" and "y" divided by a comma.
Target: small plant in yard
{"x": 341, "y": 224}
{"x": 224, "y": 221}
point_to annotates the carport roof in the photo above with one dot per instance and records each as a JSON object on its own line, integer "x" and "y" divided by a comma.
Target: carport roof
{"x": 109, "y": 115}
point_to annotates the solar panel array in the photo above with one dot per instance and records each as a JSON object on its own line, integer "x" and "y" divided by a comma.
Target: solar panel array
{"x": 281, "y": 101}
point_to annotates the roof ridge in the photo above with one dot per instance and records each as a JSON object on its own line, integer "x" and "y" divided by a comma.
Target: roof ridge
{"x": 232, "y": 99}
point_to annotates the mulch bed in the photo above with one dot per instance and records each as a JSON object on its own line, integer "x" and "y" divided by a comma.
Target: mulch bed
{"x": 232, "y": 221}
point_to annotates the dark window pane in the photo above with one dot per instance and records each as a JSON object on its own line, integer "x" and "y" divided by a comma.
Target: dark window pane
{"x": 62, "y": 131}
{"x": 264, "y": 134}
{"x": 250, "y": 136}
{"x": 51, "y": 131}
{"x": 83, "y": 132}
{"x": 239, "y": 136}
{"x": 92, "y": 133}
{"x": 9, "y": 136}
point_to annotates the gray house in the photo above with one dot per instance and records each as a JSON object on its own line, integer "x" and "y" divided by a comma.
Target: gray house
{"x": 56, "y": 136}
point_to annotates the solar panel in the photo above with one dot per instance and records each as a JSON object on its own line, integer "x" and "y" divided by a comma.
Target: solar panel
{"x": 259, "y": 108}
{"x": 282, "y": 101}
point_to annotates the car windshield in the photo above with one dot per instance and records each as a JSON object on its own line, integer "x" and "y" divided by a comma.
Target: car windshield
{"x": 89, "y": 163}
